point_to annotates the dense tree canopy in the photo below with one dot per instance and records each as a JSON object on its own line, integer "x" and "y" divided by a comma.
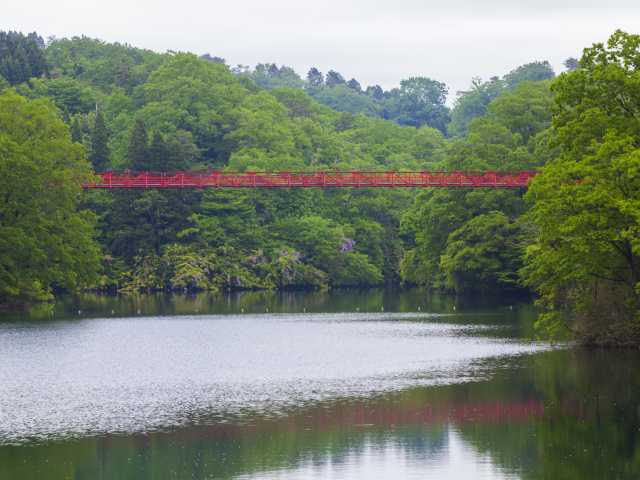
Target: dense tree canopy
{"x": 186, "y": 112}
{"x": 535, "y": 71}
{"x": 45, "y": 241}
{"x": 482, "y": 254}
{"x": 586, "y": 202}
{"x": 21, "y": 57}
{"x": 419, "y": 101}
{"x": 135, "y": 109}
{"x": 271, "y": 76}
{"x": 174, "y": 111}
{"x": 443, "y": 226}
{"x": 474, "y": 102}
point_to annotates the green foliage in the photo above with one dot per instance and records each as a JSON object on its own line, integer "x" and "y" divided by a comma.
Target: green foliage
{"x": 531, "y": 72}
{"x": 356, "y": 270}
{"x": 228, "y": 218}
{"x": 189, "y": 268}
{"x": 138, "y": 153}
{"x": 297, "y": 102}
{"x": 329, "y": 247}
{"x": 585, "y": 203}
{"x": 100, "y": 64}
{"x": 441, "y": 223}
{"x": 187, "y": 93}
{"x": 473, "y": 103}
{"x": 99, "y": 152}
{"x": 419, "y": 101}
{"x": 353, "y": 84}
{"x": 526, "y": 110}
{"x": 333, "y": 79}
{"x": 76, "y": 130}
{"x": 177, "y": 111}
{"x": 136, "y": 223}
{"x": 315, "y": 78}
{"x": 70, "y": 95}
{"x": 426, "y": 228}
{"x": 263, "y": 138}
{"x": 287, "y": 270}
{"x": 345, "y": 99}
{"x": 270, "y": 76}
{"x": 21, "y": 57}
{"x": 45, "y": 242}
{"x": 3, "y": 84}
{"x": 571, "y": 64}
{"x": 483, "y": 254}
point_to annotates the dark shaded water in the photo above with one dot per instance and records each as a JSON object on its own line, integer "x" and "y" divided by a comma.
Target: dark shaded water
{"x": 309, "y": 385}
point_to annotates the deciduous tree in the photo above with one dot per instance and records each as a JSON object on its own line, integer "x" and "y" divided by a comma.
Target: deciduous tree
{"x": 585, "y": 261}
{"x": 46, "y": 241}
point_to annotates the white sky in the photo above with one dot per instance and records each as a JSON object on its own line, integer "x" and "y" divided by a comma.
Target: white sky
{"x": 375, "y": 41}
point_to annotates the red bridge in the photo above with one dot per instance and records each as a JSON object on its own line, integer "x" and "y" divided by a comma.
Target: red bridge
{"x": 219, "y": 179}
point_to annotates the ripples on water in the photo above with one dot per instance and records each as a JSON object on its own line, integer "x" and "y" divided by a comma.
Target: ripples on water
{"x": 128, "y": 375}
{"x": 143, "y": 388}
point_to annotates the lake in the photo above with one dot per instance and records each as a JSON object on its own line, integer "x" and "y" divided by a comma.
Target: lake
{"x": 311, "y": 385}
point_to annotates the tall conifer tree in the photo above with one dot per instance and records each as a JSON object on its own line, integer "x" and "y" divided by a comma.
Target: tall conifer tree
{"x": 158, "y": 154}
{"x": 99, "y": 154}
{"x": 138, "y": 152}
{"x": 76, "y": 130}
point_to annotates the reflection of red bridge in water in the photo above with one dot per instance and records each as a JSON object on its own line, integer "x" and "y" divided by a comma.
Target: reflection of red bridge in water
{"x": 389, "y": 414}
{"x": 216, "y": 179}
{"x": 458, "y": 413}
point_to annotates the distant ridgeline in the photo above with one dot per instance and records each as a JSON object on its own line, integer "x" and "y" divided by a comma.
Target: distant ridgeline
{"x": 418, "y": 101}
{"x": 73, "y": 106}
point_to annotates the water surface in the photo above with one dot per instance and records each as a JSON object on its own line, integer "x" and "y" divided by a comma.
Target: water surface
{"x": 344, "y": 385}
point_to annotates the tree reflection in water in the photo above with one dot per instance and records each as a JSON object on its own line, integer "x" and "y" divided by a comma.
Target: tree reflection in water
{"x": 559, "y": 414}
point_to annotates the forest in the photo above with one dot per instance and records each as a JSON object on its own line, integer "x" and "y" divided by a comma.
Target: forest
{"x": 70, "y": 107}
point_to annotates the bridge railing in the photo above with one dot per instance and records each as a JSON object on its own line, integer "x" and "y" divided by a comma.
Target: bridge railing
{"x": 217, "y": 179}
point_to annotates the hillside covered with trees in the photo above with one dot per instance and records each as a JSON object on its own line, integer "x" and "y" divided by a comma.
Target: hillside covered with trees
{"x": 79, "y": 104}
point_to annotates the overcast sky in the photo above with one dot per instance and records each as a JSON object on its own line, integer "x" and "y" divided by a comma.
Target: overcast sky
{"x": 374, "y": 41}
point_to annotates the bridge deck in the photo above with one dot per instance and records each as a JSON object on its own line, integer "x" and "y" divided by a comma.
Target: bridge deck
{"x": 216, "y": 179}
